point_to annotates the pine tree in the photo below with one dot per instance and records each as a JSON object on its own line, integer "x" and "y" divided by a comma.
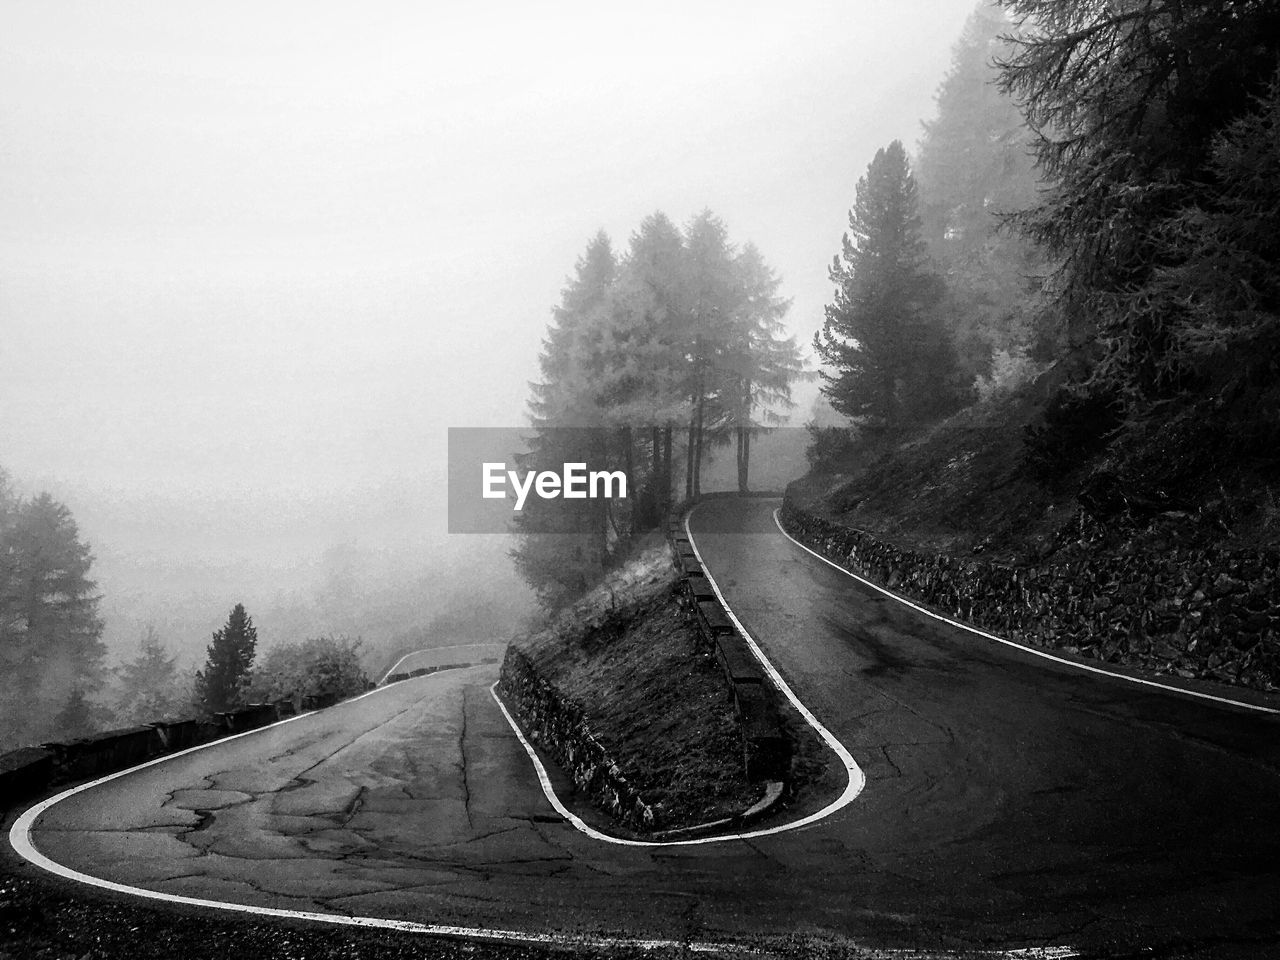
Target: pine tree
{"x": 50, "y": 632}
{"x": 149, "y": 684}
{"x": 1221, "y": 292}
{"x": 974, "y": 169}
{"x": 650, "y": 299}
{"x": 562, "y": 544}
{"x": 891, "y": 359}
{"x": 1127, "y": 101}
{"x": 75, "y": 719}
{"x": 221, "y": 684}
{"x": 716, "y": 304}
{"x": 761, "y": 362}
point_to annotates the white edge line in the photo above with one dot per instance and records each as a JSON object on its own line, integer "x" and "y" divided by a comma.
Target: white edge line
{"x": 452, "y": 646}
{"x": 1019, "y": 953}
{"x": 23, "y": 844}
{"x": 21, "y": 840}
{"x": 1012, "y": 643}
{"x": 856, "y": 778}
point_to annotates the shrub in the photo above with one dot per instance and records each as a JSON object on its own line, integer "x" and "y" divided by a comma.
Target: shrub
{"x": 1010, "y": 369}
{"x": 318, "y": 666}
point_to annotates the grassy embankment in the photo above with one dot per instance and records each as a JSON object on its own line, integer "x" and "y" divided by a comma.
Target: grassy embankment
{"x": 628, "y": 654}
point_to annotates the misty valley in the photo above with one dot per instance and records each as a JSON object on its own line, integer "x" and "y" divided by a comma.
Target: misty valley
{"x": 561, "y": 479}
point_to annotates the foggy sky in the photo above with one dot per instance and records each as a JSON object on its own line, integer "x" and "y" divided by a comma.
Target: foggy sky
{"x": 256, "y": 258}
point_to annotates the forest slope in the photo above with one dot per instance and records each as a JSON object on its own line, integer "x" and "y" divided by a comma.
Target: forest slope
{"x": 1094, "y": 495}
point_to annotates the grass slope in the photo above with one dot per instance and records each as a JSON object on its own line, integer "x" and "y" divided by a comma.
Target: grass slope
{"x": 653, "y": 696}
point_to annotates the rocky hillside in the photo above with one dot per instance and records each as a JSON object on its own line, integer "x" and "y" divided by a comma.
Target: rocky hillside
{"x": 1150, "y": 546}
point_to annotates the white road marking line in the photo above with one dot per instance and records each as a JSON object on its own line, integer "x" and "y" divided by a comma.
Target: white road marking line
{"x": 1012, "y": 643}
{"x": 20, "y": 838}
{"x": 898, "y": 953}
{"x": 856, "y": 778}
{"x": 452, "y": 646}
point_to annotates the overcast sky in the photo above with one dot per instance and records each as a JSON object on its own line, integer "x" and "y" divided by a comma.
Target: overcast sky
{"x": 257, "y": 257}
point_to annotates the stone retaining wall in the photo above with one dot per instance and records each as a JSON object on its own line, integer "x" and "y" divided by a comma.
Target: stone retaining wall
{"x": 31, "y": 771}
{"x": 557, "y": 723}
{"x": 1202, "y": 614}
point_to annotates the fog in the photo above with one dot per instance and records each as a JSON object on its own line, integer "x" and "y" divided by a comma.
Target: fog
{"x": 256, "y": 259}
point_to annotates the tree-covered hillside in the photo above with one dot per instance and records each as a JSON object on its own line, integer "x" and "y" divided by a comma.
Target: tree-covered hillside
{"x": 1099, "y": 208}
{"x": 1099, "y": 193}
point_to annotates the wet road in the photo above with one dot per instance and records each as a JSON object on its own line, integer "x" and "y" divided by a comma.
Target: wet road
{"x": 1009, "y": 801}
{"x": 447, "y": 655}
{"x": 1006, "y": 792}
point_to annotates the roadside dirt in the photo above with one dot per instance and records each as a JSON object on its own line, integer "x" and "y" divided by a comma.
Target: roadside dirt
{"x": 46, "y": 919}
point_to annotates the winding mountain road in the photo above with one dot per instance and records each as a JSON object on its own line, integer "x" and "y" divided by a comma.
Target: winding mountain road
{"x": 1010, "y": 802}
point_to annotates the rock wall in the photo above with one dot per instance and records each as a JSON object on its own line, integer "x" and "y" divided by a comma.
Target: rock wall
{"x": 1203, "y": 614}
{"x": 31, "y": 771}
{"x": 557, "y": 723}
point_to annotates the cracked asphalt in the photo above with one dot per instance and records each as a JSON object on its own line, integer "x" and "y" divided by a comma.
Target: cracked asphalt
{"x": 1009, "y": 801}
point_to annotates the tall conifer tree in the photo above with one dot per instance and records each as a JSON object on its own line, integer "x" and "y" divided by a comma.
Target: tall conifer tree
{"x": 975, "y": 169}
{"x": 50, "y": 633}
{"x": 562, "y": 544}
{"x": 149, "y": 685}
{"x": 880, "y": 334}
{"x": 221, "y": 684}
{"x": 761, "y": 361}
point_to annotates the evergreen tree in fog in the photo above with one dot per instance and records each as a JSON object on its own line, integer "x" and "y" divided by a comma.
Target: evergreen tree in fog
{"x": 221, "y": 684}
{"x": 1134, "y": 106}
{"x": 684, "y": 334}
{"x": 893, "y": 362}
{"x": 75, "y": 719}
{"x": 974, "y": 169}
{"x": 50, "y": 633}
{"x": 149, "y": 684}
{"x": 561, "y": 543}
{"x": 761, "y": 361}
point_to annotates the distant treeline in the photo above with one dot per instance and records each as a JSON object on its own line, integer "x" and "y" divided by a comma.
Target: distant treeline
{"x": 1100, "y": 189}
{"x": 54, "y": 683}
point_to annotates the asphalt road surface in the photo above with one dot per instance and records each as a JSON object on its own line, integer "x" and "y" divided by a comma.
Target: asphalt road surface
{"x": 452, "y": 653}
{"x": 1009, "y": 801}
